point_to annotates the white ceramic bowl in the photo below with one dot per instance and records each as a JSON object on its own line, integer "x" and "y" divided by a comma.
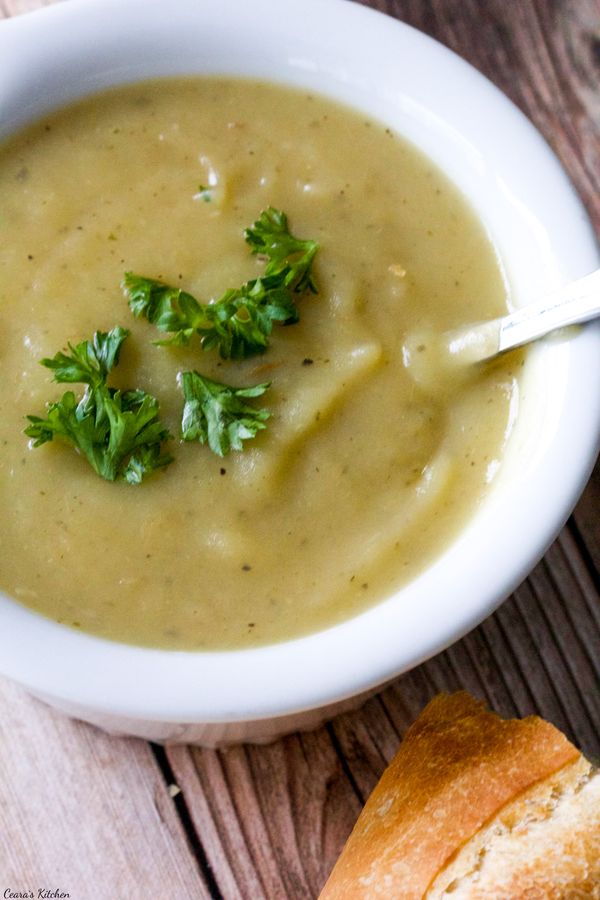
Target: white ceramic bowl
{"x": 502, "y": 165}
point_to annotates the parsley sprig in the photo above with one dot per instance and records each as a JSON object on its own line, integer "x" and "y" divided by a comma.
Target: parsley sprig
{"x": 290, "y": 259}
{"x": 118, "y": 432}
{"x": 218, "y": 414}
{"x": 240, "y": 322}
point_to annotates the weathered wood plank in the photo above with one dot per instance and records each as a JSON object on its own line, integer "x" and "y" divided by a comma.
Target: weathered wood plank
{"x": 586, "y": 520}
{"x": 271, "y": 819}
{"x": 84, "y": 812}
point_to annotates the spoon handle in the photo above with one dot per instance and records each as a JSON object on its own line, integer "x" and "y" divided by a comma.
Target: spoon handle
{"x": 577, "y": 302}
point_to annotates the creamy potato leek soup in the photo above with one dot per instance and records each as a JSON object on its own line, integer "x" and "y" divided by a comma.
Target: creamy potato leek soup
{"x": 356, "y": 475}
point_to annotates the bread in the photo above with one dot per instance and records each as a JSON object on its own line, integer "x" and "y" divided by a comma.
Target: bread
{"x": 476, "y": 806}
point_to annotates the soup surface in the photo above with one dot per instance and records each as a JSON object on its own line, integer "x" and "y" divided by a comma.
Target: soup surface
{"x": 363, "y": 474}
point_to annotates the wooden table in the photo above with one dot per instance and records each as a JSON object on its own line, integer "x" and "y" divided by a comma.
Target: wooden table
{"x": 101, "y": 818}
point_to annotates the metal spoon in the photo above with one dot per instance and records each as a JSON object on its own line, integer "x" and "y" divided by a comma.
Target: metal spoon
{"x": 573, "y": 304}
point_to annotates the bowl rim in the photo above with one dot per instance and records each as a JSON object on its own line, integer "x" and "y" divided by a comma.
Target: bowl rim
{"x": 390, "y": 637}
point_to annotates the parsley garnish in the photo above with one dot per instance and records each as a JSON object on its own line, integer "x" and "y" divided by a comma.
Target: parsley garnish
{"x": 240, "y": 322}
{"x": 118, "y": 432}
{"x": 218, "y": 415}
{"x": 290, "y": 259}
{"x": 169, "y": 308}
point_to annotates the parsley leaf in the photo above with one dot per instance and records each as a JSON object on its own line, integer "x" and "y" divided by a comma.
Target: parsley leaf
{"x": 240, "y": 322}
{"x": 118, "y": 432}
{"x": 169, "y": 308}
{"x": 290, "y": 259}
{"x": 90, "y": 361}
{"x": 218, "y": 415}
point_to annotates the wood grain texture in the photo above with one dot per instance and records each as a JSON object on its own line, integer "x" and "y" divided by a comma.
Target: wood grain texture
{"x": 83, "y": 812}
{"x": 272, "y": 818}
{"x": 267, "y": 823}
{"x": 585, "y": 524}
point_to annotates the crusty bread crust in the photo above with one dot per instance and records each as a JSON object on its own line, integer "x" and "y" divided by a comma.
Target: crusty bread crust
{"x": 456, "y": 768}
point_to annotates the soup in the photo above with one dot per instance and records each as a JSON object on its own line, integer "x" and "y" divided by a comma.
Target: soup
{"x": 364, "y": 473}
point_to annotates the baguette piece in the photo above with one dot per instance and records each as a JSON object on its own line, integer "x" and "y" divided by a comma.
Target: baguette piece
{"x": 474, "y": 806}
